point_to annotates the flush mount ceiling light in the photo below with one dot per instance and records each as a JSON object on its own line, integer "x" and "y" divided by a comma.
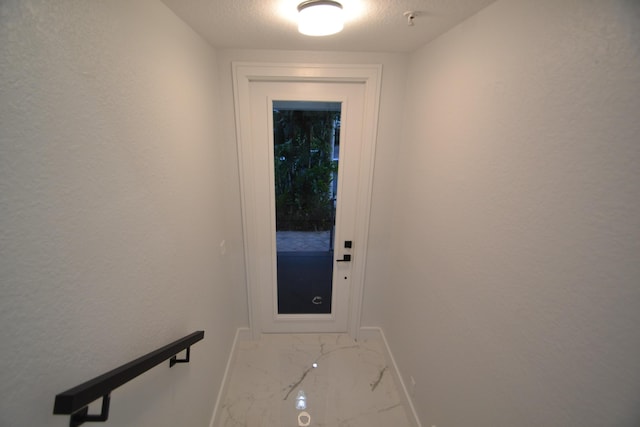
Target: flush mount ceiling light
{"x": 320, "y": 17}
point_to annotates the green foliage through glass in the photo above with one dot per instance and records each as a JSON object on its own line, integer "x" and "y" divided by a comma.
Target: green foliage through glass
{"x": 304, "y": 169}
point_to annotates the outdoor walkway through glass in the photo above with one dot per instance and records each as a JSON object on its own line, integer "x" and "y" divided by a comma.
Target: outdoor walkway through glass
{"x": 295, "y": 241}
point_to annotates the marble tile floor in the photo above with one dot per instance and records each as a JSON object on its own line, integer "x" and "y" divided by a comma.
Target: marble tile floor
{"x": 345, "y": 384}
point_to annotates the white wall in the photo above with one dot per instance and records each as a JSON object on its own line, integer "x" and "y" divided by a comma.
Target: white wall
{"x": 112, "y": 205}
{"x": 394, "y": 68}
{"x": 514, "y": 297}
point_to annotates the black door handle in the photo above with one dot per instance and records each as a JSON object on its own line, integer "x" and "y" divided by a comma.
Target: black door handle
{"x": 345, "y": 258}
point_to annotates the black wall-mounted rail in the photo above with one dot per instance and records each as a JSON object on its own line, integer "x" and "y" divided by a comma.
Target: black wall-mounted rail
{"x": 75, "y": 401}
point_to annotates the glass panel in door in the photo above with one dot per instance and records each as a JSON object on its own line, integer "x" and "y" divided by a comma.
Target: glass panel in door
{"x": 306, "y": 152}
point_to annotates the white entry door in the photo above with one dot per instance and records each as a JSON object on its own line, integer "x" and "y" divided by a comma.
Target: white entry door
{"x": 277, "y": 297}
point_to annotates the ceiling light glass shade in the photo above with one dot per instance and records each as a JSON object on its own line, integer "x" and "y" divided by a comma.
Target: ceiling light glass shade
{"x": 320, "y": 17}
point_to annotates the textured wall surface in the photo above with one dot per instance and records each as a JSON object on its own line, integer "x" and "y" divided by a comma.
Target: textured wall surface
{"x": 112, "y": 206}
{"x": 515, "y": 291}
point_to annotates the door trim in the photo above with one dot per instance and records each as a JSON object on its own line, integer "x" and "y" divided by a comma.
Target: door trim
{"x": 368, "y": 74}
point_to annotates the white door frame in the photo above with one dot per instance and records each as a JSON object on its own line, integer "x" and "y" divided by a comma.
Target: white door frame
{"x": 243, "y": 74}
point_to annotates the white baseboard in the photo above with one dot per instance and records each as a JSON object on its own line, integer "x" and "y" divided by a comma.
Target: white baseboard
{"x": 242, "y": 334}
{"x": 375, "y": 333}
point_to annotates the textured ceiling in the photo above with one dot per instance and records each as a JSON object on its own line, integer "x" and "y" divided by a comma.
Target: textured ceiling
{"x": 371, "y": 25}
